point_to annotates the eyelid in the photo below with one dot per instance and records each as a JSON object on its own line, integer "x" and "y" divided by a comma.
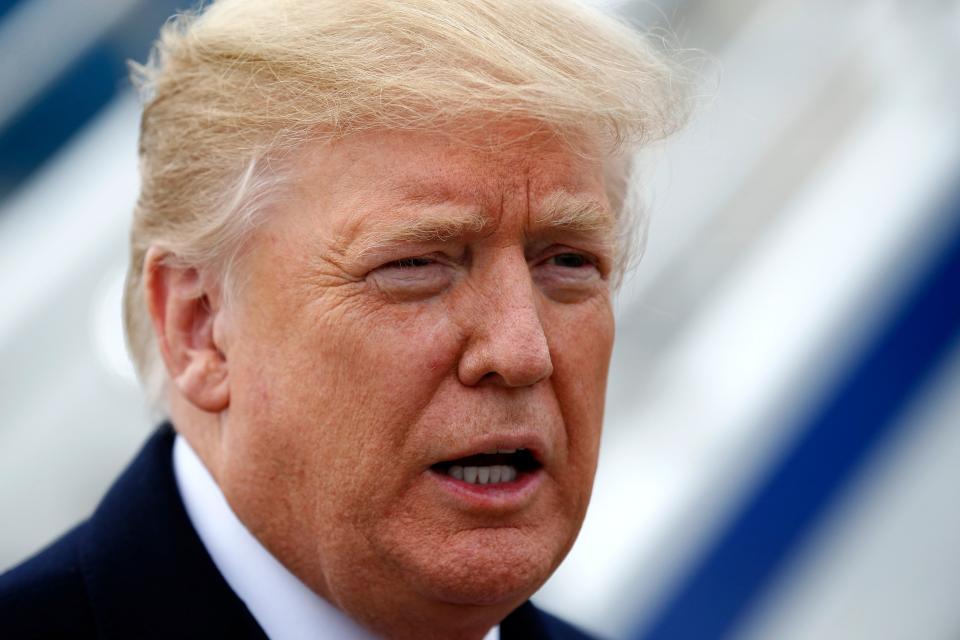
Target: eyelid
{"x": 431, "y": 257}
{"x": 397, "y": 264}
{"x": 442, "y": 254}
{"x": 588, "y": 257}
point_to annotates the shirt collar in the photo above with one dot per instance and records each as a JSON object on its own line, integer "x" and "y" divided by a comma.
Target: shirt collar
{"x": 282, "y": 605}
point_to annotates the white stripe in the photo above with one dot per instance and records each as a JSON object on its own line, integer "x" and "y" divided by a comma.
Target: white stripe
{"x": 886, "y": 564}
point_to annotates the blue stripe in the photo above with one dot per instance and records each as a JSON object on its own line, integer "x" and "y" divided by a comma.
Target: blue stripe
{"x": 835, "y": 443}
{"x": 7, "y": 5}
{"x": 43, "y": 127}
{"x": 89, "y": 84}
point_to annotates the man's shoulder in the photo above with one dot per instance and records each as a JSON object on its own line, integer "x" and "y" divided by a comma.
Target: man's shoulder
{"x": 46, "y": 595}
{"x": 135, "y": 569}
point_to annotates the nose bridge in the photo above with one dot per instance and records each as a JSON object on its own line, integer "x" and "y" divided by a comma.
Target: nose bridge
{"x": 507, "y": 342}
{"x": 513, "y": 305}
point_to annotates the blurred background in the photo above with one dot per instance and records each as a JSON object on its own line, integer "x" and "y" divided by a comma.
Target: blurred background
{"x": 783, "y": 432}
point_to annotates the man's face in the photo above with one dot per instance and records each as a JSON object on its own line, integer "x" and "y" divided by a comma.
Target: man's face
{"x": 414, "y": 307}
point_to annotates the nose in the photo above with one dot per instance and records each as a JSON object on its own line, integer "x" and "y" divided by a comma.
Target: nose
{"x": 506, "y": 344}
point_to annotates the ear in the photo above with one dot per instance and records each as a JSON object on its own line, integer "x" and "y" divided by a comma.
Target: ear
{"x": 184, "y": 315}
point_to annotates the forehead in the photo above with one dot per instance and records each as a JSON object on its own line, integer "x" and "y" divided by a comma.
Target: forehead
{"x": 385, "y": 172}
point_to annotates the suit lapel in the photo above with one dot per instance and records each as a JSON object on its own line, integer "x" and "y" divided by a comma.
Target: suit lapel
{"x": 146, "y": 570}
{"x": 529, "y": 623}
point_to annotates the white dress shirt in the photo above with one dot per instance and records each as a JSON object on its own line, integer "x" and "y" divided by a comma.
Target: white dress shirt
{"x": 283, "y": 606}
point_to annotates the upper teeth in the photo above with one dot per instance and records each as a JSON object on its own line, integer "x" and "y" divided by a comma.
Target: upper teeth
{"x": 484, "y": 475}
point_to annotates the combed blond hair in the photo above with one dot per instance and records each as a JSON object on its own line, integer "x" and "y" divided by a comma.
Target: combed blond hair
{"x": 230, "y": 92}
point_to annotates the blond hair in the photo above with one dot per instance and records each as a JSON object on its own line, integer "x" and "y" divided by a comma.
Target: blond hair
{"x": 229, "y": 93}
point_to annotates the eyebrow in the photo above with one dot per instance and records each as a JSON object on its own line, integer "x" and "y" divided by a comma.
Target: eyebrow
{"x": 565, "y": 211}
{"x": 430, "y": 226}
{"x": 560, "y": 211}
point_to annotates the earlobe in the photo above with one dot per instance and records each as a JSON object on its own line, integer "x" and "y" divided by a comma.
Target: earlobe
{"x": 184, "y": 315}
{"x": 204, "y": 381}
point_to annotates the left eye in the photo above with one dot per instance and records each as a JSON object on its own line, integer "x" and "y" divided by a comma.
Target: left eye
{"x": 568, "y": 276}
{"x": 570, "y": 260}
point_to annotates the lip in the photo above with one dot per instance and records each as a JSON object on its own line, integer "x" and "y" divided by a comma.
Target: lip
{"x": 499, "y": 497}
{"x": 534, "y": 443}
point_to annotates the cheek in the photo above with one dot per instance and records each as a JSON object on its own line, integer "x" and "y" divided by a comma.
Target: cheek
{"x": 581, "y": 341}
{"x": 321, "y": 407}
{"x": 394, "y": 356}
{"x": 351, "y": 382}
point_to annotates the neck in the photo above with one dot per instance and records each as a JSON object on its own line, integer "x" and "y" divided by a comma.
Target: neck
{"x": 393, "y": 608}
{"x": 201, "y": 429}
{"x": 433, "y": 621}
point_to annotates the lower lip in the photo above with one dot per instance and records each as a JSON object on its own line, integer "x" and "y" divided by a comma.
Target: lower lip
{"x": 496, "y": 496}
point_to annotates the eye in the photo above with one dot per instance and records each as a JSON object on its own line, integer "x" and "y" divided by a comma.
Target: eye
{"x": 406, "y": 263}
{"x": 571, "y": 260}
{"x": 412, "y": 278}
{"x": 569, "y": 276}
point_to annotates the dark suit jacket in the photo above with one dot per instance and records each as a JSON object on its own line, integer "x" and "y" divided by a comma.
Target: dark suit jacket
{"x": 136, "y": 569}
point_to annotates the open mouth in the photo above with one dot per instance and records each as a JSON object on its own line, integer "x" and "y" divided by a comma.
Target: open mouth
{"x": 496, "y": 467}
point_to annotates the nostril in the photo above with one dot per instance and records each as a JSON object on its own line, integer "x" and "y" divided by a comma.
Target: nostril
{"x": 492, "y": 377}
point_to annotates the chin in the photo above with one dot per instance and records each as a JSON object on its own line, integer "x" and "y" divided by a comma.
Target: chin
{"x": 485, "y": 567}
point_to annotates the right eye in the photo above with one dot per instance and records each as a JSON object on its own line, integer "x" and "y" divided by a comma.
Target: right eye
{"x": 412, "y": 278}
{"x": 405, "y": 263}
